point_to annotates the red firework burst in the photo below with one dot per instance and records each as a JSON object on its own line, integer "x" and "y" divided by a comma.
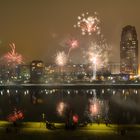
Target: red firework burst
{"x": 12, "y": 57}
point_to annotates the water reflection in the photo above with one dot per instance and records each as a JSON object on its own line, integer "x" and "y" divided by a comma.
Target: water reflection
{"x": 116, "y": 105}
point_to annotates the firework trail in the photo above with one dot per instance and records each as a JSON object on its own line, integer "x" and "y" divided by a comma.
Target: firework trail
{"x": 93, "y": 56}
{"x": 61, "y": 58}
{"x": 89, "y": 24}
{"x": 12, "y": 58}
{"x": 97, "y": 57}
{"x": 72, "y": 43}
{"x": 98, "y": 49}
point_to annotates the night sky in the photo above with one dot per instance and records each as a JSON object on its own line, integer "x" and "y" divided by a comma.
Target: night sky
{"x": 38, "y": 27}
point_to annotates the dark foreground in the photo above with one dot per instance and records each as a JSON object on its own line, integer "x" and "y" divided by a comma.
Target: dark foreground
{"x": 38, "y": 131}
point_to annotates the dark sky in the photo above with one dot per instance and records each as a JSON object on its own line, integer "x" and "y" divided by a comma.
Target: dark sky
{"x": 39, "y": 26}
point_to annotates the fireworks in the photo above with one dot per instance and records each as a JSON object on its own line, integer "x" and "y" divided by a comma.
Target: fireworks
{"x": 98, "y": 51}
{"x": 13, "y": 58}
{"x": 61, "y": 108}
{"x": 93, "y": 60}
{"x": 94, "y": 56}
{"x": 72, "y": 43}
{"x": 61, "y": 58}
{"x": 88, "y": 24}
{"x": 97, "y": 55}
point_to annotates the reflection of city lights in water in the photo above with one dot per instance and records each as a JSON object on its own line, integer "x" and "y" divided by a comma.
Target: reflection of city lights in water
{"x": 61, "y": 108}
{"x": 96, "y": 108}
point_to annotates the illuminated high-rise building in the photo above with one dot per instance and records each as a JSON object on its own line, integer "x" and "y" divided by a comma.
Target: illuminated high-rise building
{"x": 129, "y": 51}
{"x": 36, "y": 71}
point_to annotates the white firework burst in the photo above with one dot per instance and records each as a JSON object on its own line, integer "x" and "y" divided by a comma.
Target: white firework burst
{"x": 61, "y": 58}
{"x": 88, "y": 24}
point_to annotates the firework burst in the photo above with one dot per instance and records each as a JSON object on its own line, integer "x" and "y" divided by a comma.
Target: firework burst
{"x": 97, "y": 55}
{"x": 72, "y": 43}
{"x": 88, "y": 24}
{"x": 12, "y": 58}
{"x": 61, "y": 58}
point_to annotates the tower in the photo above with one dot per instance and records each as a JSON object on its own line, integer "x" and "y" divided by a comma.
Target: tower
{"x": 129, "y": 51}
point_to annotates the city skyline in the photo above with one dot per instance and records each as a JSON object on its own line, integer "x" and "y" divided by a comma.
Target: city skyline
{"x": 39, "y": 28}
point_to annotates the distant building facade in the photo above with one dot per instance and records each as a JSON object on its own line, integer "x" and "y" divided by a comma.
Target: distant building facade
{"x": 24, "y": 72}
{"x": 114, "y": 67}
{"x": 36, "y": 71}
{"x": 129, "y": 51}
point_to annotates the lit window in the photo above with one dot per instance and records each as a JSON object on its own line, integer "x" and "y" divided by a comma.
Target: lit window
{"x": 39, "y": 64}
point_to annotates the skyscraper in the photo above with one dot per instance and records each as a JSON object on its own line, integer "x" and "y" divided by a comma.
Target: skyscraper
{"x": 129, "y": 51}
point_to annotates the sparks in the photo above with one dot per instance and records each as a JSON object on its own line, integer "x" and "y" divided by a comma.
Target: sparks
{"x": 72, "y": 43}
{"x": 94, "y": 53}
{"x": 12, "y": 58}
{"x": 97, "y": 57}
{"x": 61, "y": 58}
{"x": 88, "y": 24}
